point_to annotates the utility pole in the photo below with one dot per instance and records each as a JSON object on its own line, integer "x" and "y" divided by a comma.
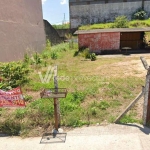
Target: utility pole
{"x": 64, "y": 20}
{"x": 143, "y": 4}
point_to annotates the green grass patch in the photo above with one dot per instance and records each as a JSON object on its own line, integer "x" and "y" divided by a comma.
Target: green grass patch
{"x": 131, "y": 24}
{"x": 64, "y": 26}
{"x": 129, "y": 118}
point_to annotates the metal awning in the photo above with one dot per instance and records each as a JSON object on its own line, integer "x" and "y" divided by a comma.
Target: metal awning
{"x": 144, "y": 29}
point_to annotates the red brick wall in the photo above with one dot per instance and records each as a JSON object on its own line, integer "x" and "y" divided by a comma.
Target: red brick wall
{"x": 21, "y": 28}
{"x": 100, "y": 41}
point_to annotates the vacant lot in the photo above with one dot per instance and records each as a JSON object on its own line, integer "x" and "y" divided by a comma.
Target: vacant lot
{"x": 97, "y": 91}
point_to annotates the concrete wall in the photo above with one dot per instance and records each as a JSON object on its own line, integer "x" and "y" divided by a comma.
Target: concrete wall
{"x": 90, "y": 11}
{"x": 56, "y": 36}
{"x": 63, "y": 32}
{"x": 51, "y": 34}
{"x": 21, "y": 28}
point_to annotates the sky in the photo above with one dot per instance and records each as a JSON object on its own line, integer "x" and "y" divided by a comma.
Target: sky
{"x": 55, "y": 11}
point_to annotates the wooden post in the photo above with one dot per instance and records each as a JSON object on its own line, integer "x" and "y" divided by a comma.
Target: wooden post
{"x": 146, "y": 109}
{"x": 56, "y": 102}
{"x": 146, "y": 106}
{"x": 130, "y": 106}
{"x": 144, "y": 62}
{"x": 146, "y": 92}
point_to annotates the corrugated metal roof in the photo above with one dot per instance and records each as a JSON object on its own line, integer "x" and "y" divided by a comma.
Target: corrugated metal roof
{"x": 113, "y": 30}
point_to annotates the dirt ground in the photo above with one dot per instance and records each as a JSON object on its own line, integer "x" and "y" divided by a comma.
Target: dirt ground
{"x": 132, "y": 68}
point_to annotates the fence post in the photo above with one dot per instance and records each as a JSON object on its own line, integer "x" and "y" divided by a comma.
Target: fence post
{"x": 146, "y": 106}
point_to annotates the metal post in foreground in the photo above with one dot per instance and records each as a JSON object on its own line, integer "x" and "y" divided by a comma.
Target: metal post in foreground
{"x": 56, "y": 102}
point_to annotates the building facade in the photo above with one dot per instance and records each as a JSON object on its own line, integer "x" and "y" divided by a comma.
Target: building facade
{"x": 21, "y": 28}
{"x": 83, "y": 12}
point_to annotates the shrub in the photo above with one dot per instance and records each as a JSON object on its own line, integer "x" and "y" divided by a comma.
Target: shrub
{"x": 10, "y": 127}
{"x": 86, "y": 53}
{"x": 37, "y": 58}
{"x": 93, "y": 56}
{"x": 139, "y": 14}
{"x": 54, "y": 55}
{"x": 120, "y": 22}
{"x": 26, "y": 58}
{"x": 14, "y": 74}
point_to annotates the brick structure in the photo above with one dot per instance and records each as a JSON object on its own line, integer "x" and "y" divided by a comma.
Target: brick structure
{"x": 103, "y": 40}
{"x": 21, "y": 28}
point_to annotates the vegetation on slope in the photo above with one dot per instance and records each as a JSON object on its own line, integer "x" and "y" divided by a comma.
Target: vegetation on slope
{"x": 62, "y": 26}
{"x": 116, "y": 24}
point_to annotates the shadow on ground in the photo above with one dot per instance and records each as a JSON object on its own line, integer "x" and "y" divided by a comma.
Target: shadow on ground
{"x": 3, "y": 134}
{"x": 53, "y": 138}
{"x": 144, "y": 129}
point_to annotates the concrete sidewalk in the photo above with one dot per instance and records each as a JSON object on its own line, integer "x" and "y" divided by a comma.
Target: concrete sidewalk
{"x": 110, "y": 137}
